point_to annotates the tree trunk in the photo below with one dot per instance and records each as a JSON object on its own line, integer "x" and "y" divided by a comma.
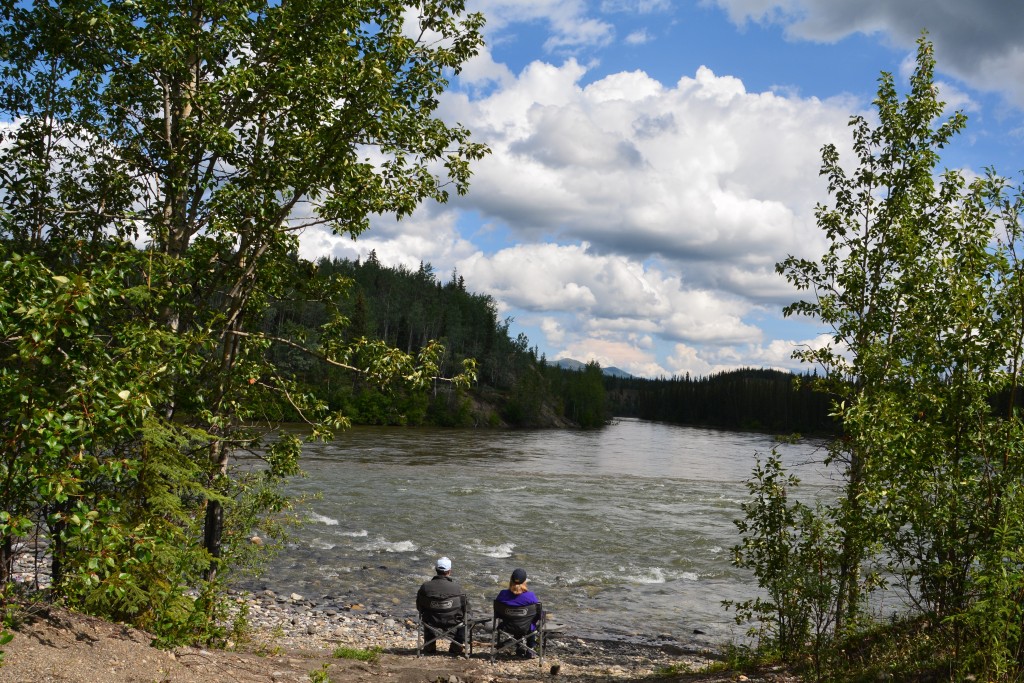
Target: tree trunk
{"x": 57, "y": 548}
{"x": 213, "y": 531}
{"x": 6, "y": 558}
{"x": 848, "y": 593}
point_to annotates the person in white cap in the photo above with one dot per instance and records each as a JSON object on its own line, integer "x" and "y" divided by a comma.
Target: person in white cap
{"x": 442, "y": 586}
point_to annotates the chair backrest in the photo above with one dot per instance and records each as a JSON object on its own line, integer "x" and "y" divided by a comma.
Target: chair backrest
{"x": 518, "y": 618}
{"x": 448, "y": 606}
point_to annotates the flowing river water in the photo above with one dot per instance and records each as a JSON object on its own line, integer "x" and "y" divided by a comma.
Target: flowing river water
{"x": 626, "y": 532}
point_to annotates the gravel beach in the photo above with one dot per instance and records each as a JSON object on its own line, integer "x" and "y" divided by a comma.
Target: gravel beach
{"x": 294, "y": 638}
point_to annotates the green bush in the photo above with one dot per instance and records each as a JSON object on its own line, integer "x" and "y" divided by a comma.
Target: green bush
{"x": 792, "y": 550}
{"x": 320, "y": 675}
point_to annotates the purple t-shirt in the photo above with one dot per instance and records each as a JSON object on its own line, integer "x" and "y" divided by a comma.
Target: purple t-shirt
{"x": 522, "y": 600}
{"x": 512, "y": 600}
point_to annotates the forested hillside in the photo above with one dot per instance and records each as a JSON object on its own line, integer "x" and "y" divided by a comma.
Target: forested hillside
{"x": 767, "y": 400}
{"x": 516, "y": 386}
{"x": 406, "y": 310}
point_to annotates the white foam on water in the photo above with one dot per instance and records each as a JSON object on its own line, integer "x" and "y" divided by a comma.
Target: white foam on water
{"x": 730, "y": 499}
{"x": 386, "y": 546}
{"x": 362, "y": 533}
{"x": 321, "y": 544}
{"x": 628, "y": 575}
{"x": 322, "y": 519}
{"x": 500, "y": 551}
{"x": 607, "y": 579}
{"x": 509, "y": 489}
{"x": 570, "y": 579}
{"x": 651, "y": 575}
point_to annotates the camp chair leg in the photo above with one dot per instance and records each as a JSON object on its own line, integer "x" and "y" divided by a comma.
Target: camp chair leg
{"x": 500, "y": 640}
{"x": 439, "y": 633}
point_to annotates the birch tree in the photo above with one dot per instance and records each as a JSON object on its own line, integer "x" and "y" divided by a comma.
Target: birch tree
{"x": 210, "y": 134}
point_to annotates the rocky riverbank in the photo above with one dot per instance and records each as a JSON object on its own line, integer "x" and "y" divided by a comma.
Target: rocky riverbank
{"x": 295, "y": 622}
{"x": 292, "y": 638}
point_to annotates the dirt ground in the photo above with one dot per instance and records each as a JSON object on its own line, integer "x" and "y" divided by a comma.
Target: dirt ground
{"x": 57, "y": 646}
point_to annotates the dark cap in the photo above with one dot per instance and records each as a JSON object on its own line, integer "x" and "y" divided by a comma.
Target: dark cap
{"x": 519, "y": 576}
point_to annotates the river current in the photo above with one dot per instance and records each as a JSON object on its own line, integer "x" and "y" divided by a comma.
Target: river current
{"x": 626, "y": 532}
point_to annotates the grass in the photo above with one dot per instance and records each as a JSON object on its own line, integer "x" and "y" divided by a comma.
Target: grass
{"x": 735, "y": 658}
{"x": 267, "y": 650}
{"x": 358, "y": 654}
{"x": 683, "y": 669}
{"x": 674, "y": 670}
{"x": 906, "y": 650}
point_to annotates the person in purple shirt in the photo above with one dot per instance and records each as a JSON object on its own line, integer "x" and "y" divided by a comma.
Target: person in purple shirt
{"x": 518, "y": 594}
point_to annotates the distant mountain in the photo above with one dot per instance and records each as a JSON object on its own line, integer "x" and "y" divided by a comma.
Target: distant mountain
{"x": 571, "y": 364}
{"x": 613, "y": 371}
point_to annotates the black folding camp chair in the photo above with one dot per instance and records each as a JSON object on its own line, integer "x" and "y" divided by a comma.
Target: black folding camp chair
{"x": 444, "y": 619}
{"x": 516, "y": 627}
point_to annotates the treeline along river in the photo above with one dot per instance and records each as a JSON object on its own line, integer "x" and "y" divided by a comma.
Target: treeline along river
{"x": 626, "y": 532}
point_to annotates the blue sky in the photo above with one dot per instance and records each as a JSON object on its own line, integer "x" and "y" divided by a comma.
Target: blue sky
{"x": 653, "y": 159}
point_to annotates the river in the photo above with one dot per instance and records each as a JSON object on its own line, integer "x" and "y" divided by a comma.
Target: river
{"x": 626, "y": 532}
